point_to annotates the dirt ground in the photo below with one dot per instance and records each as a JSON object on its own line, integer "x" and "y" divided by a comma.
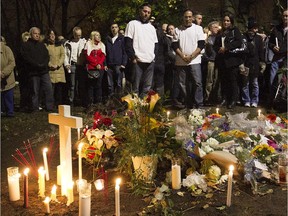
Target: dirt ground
{"x": 35, "y": 127}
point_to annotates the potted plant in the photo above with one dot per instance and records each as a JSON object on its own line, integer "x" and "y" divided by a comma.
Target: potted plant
{"x": 142, "y": 131}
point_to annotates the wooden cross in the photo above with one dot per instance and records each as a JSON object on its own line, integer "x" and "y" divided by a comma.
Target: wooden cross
{"x": 65, "y": 122}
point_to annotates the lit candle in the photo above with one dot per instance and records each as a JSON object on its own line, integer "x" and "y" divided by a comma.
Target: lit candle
{"x": 70, "y": 194}
{"x": 117, "y": 197}
{"x": 99, "y": 184}
{"x": 41, "y": 181}
{"x": 13, "y": 183}
{"x": 276, "y": 40}
{"x": 176, "y": 174}
{"x": 168, "y": 114}
{"x": 45, "y": 150}
{"x": 53, "y": 193}
{"x": 47, "y": 205}
{"x": 217, "y": 110}
{"x": 229, "y": 187}
{"x": 59, "y": 171}
{"x": 80, "y": 160}
{"x": 26, "y": 171}
{"x": 259, "y": 112}
{"x": 80, "y": 184}
{"x": 78, "y": 133}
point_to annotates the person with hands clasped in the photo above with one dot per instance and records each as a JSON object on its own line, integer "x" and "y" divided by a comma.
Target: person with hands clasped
{"x": 95, "y": 55}
{"x": 190, "y": 40}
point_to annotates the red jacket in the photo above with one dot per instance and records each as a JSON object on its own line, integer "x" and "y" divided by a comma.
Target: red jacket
{"x": 96, "y": 57}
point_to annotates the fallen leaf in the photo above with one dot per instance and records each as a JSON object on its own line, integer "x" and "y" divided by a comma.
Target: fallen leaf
{"x": 237, "y": 193}
{"x": 180, "y": 193}
{"x": 205, "y": 206}
{"x": 221, "y": 208}
{"x": 209, "y": 195}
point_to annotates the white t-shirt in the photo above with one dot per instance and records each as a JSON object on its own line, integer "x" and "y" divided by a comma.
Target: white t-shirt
{"x": 144, "y": 38}
{"x": 188, "y": 42}
{"x": 74, "y": 51}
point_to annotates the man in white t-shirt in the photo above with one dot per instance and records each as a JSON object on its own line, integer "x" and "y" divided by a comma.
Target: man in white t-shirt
{"x": 141, "y": 45}
{"x": 190, "y": 40}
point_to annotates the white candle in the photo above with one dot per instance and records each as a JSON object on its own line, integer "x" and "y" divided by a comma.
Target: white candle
{"x": 176, "y": 175}
{"x": 117, "y": 197}
{"x": 217, "y": 110}
{"x": 54, "y": 193}
{"x": 259, "y": 112}
{"x": 99, "y": 184}
{"x": 80, "y": 184}
{"x": 168, "y": 114}
{"x": 276, "y": 40}
{"x": 229, "y": 187}
{"x": 85, "y": 205}
{"x": 26, "y": 197}
{"x": 45, "y": 150}
{"x": 47, "y": 205}
{"x": 222, "y": 41}
{"x": 70, "y": 194}
{"x": 85, "y": 200}
{"x": 78, "y": 133}
{"x": 59, "y": 171}
{"x": 80, "y": 160}
{"x": 13, "y": 183}
{"x": 41, "y": 182}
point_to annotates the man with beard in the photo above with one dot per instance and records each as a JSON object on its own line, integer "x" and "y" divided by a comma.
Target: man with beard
{"x": 141, "y": 45}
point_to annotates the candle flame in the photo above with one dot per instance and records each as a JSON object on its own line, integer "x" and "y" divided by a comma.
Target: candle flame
{"x": 118, "y": 181}
{"x": 231, "y": 168}
{"x": 41, "y": 170}
{"x": 80, "y": 146}
{"x": 54, "y": 188}
{"x": 45, "y": 150}
{"x": 26, "y": 171}
{"x": 47, "y": 200}
{"x": 168, "y": 112}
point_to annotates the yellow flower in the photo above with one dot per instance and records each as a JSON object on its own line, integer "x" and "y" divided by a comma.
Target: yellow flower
{"x": 129, "y": 99}
{"x": 153, "y": 101}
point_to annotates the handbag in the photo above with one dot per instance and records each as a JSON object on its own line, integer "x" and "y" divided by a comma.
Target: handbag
{"x": 93, "y": 74}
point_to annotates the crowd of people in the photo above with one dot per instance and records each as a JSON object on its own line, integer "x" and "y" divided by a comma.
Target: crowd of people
{"x": 189, "y": 65}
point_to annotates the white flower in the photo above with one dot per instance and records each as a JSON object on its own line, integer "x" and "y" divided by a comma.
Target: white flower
{"x": 214, "y": 173}
{"x": 223, "y": 178}
{"x": 278, "y": 120}
{"x": 207, "y": 149}
{"x": 195, "y": 179}
{"x": 108, "y": 133}
{"x": 99, "y": 144}
{"x": 239, "y": 149}
{"x": 212, "y": 142}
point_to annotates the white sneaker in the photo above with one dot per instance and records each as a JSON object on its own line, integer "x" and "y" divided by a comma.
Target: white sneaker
{"x": 247, "y": 104}
{"x": 254, "y": 105}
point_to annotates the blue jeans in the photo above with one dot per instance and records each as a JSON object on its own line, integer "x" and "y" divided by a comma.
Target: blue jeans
{"x": 7, "y": 102}
{"x": 42, "y": 82}
{"x": 72, "y": 83}
{"x": 114, "y": 76}
{"x": 189, "y": 80}
{"x": 273, "y": 82}
{"x": 142, "y": 77}
{"x": 250, "y": 92}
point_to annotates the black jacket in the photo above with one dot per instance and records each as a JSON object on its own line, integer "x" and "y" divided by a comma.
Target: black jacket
{"x": 115, "y": 52}
{"x": 35, "y": 57}
{"x": 233, "y": 39}
{"x": 278, "y": 32}
{"x": 255, "y": 53}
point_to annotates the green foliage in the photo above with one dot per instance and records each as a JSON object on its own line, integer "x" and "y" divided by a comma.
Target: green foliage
{"x": 122, "y": 11}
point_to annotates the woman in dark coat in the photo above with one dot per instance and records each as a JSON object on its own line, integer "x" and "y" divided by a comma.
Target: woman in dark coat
{"x": 228, "y": 63}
